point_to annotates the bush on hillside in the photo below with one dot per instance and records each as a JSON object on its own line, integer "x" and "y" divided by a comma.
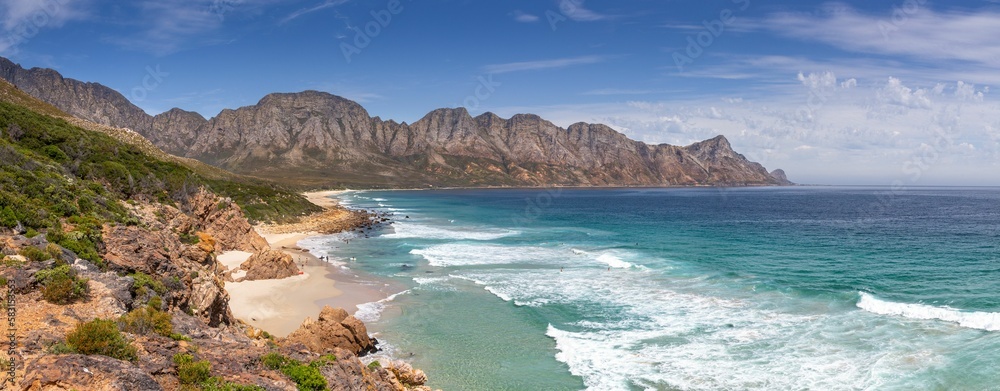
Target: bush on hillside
{"x": 101, "y": 336}
{"x": 60, "y": 285}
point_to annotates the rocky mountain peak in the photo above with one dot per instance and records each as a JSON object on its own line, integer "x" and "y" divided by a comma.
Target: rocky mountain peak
{"x": 780, "y": 176}
{"x": 322, "y": 139}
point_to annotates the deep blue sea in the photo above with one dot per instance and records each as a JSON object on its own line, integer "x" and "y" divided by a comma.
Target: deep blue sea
{"x": 795, "y": 288}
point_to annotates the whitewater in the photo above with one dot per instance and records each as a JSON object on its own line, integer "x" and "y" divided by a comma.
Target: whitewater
{"x": 689, "y": 289}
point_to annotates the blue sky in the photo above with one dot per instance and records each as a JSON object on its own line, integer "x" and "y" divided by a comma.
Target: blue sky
{"x": 889, "y": 92}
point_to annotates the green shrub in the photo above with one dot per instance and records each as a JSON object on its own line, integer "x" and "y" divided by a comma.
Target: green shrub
{"x": 218, "y": 384}
{"x": 60, "y": 285}
{"x": 34, "y": 254}
{"x": 274, "y": 361}
{"x": 323, "y": 361}
{"x": 191, "y": 372}
{"x": 101, "y": 336}
{"x": 147, "y": 320}
{"x": 374, "y": 365}
{"x": 143, "y": 280}
{"x": 61, "y": 348}
{"x": 54, "y": 252}
{"x": 156, "y": 302}
{"x": 306, "y": 377}
{"x": 179, "y": 337}
{"x": 188, "y": 238}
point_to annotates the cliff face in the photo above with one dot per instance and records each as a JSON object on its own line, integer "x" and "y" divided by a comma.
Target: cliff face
{"x": 318, "y": 138}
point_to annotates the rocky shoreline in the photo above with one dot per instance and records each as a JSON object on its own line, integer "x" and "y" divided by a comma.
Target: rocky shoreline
{"x": 153, "y": 270}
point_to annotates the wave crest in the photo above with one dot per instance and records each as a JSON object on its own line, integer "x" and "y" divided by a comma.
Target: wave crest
{"x": 989, "y": 321}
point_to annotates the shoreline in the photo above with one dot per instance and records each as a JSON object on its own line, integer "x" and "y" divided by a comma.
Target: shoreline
{"x": 280, "y": 306}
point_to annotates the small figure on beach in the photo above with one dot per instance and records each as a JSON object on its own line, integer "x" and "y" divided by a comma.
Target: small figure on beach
{"x": 560, "y": 270}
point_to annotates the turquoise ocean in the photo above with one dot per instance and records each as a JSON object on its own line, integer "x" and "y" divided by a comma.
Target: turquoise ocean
{"x": 793, "y": 288}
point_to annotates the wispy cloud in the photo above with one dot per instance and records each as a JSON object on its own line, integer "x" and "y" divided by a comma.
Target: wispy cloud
{"x": 523, "y": 17}
{"x": 543, "y": 64}
{"x": 920, "y": 33}
{"x": 618, "y": 91}
{"x": 20, "y": 20}
{"x": 575, "y": 10}
{"x": 324, "y": 5}
{"x": 167, "y": 27}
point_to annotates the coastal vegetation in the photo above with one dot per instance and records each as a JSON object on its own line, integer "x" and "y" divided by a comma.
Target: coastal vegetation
{"x": 61, "y": 285}
{"x": 57, "y": 176}
{"x": 100, "y": 336}
{"x": 306, "y": 376}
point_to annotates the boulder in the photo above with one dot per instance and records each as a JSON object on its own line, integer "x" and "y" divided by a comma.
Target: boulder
{"x": 80, "y": 372}
{"x": 269, "y": 264}
{"x": 334, "y": 329}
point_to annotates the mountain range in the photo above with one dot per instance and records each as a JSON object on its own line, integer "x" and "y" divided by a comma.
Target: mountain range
{"x": 315, "y": 138}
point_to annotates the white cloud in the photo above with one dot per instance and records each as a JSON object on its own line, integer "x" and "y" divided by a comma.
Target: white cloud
{"x": 575, "y": 10}
{"x": 523, "y": 17}
{"x": 818, "y": 81}
{"x": 917, "y": 32}
{"x": 896, "y": 93}
{"x": 21, "y": 20}
{"x": 968, "y": 92}
{"x": 163, "y": 27}
{"x": 618, "y": 91}
{"x": 305, "y": 11}
{"x": 543, "y": 64}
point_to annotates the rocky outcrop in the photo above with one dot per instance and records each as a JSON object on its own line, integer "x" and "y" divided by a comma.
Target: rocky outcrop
{"x": 79, "y": 372}
{"x": 780, "y": 176}
{"x": 269, "y": 264}
{"x": 318, "y": 138}
{"x": 224, "y": 221}
{"x": 334, "y": 329}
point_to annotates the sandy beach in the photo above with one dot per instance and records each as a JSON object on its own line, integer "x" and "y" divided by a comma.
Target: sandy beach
{"x": 280, "y": 306}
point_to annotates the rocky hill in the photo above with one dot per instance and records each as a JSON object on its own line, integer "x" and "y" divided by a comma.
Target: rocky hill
{"x": 108, "y": 253}
{"x": 316, "y": 138}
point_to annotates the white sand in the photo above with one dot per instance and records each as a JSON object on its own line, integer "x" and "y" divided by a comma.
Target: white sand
{"x": 322, "y": 198}
{"x": 233, "y": 259}
{"x": 280, "y": 306}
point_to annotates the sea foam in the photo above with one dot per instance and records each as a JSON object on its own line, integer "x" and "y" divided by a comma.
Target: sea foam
{"x": 407, "y": 230}
{"x": 371, "y": 312}
{"x": 989, "y": 321}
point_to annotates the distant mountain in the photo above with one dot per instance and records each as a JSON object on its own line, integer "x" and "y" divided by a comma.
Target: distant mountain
{"x": 315, "y": 138}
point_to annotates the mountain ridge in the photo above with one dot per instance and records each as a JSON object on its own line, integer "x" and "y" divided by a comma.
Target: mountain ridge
{"x": 314, "y": 138}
